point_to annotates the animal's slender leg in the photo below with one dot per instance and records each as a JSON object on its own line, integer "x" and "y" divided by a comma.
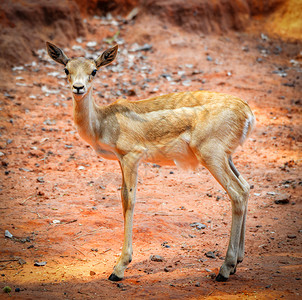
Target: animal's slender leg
{"x": 242, "y": 237}
{"x": 129, "y": 166}
{"x": 220, "y": 168}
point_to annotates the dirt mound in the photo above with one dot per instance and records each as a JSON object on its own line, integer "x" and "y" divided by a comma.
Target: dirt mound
{"x": 202, "y": 15}
{"x": 211, "y": 16}
{"x": 25, "y": 25}
{"x": 286, "y": 21}
{"x": 264, "y": 7}
{"x": 99, "y": 7}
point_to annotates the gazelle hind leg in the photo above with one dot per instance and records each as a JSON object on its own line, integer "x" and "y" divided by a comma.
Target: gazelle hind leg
{"x": 242, "y": 236}
{"x": 220, "y": 168}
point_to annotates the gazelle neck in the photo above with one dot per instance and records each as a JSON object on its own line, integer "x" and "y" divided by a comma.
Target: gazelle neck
{"x": 85, "y": 113}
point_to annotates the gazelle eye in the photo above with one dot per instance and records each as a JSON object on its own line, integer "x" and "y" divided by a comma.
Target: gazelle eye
{"x": 93, "y": 72}
{"x": 66, "y": 71}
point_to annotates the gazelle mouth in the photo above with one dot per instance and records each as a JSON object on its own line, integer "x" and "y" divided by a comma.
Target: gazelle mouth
{"x": 78, "y": 92}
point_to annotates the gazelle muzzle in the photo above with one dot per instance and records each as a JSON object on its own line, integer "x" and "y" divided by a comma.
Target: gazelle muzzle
{"x": 78, "y": 88}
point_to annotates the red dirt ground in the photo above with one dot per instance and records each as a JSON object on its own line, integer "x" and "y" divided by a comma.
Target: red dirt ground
{"x": 49, "y": 174}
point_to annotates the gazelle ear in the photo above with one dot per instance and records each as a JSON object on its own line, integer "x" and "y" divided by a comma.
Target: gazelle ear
{"x": 107, "y": 57}
{"x": 57, "y": 54}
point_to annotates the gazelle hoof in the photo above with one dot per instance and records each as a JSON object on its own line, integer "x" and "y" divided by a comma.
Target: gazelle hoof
{"x": 221, "y": 278}
{"x": 113, "y": 277}
{"x": 234, "y": 271}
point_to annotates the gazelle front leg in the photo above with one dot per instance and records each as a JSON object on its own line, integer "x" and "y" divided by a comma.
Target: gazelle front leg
{"x": 129, "y": 165}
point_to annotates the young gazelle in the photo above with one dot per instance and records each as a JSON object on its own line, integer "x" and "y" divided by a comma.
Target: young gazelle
{"x": 185, "y": 129}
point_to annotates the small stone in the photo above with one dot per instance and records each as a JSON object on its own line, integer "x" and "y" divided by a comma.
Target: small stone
{"x": 135, "y": 47}
{"x": 282, "y": 199}
{"x": 130, "y": 92}
{"x": 8, "y": 234}
{"x": 209, "y": 58}
{"x": 92, "y": 273}
{"x": 18, "y": 68}
{"x": 198, "y": 226}
{"x": 187, "y": 82}
{"x": 195, "y": 72}
{"x": 81, "y": 168}
{"x": 167, "y": 76}
{"x": 53, "y": 74}
{"x": 24, "y": 169}
{"x": 21, "y": 261}
{"x": 291, "y": 236}
{"x": 49, "y": 122}
{"x": 156, "y": 166}
{"x": 197, "y": 284}
{"x": 271, "y": 193}
{"x": 156, "y": 258}
{"x": 17, "y": 290}
{"x": 202, "y": 260}
{"x": 40, "y": 264}
{"x": 165, "y": 245}
{"x": 210, "y": 254}
{"x": 264, "y": 37}
{"x": 132, "y": 14}
{"x": 40, "y": 179}
{"x": 91, "y": 44}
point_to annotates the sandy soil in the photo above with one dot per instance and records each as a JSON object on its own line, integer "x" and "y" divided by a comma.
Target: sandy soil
{"x": 61, "y": 202}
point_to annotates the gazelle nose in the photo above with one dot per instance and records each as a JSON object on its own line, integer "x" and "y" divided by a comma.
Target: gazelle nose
{"x": 79, "y": 88}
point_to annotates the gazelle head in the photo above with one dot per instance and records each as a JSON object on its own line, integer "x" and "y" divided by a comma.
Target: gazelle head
{"x": 81, "y": 71}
